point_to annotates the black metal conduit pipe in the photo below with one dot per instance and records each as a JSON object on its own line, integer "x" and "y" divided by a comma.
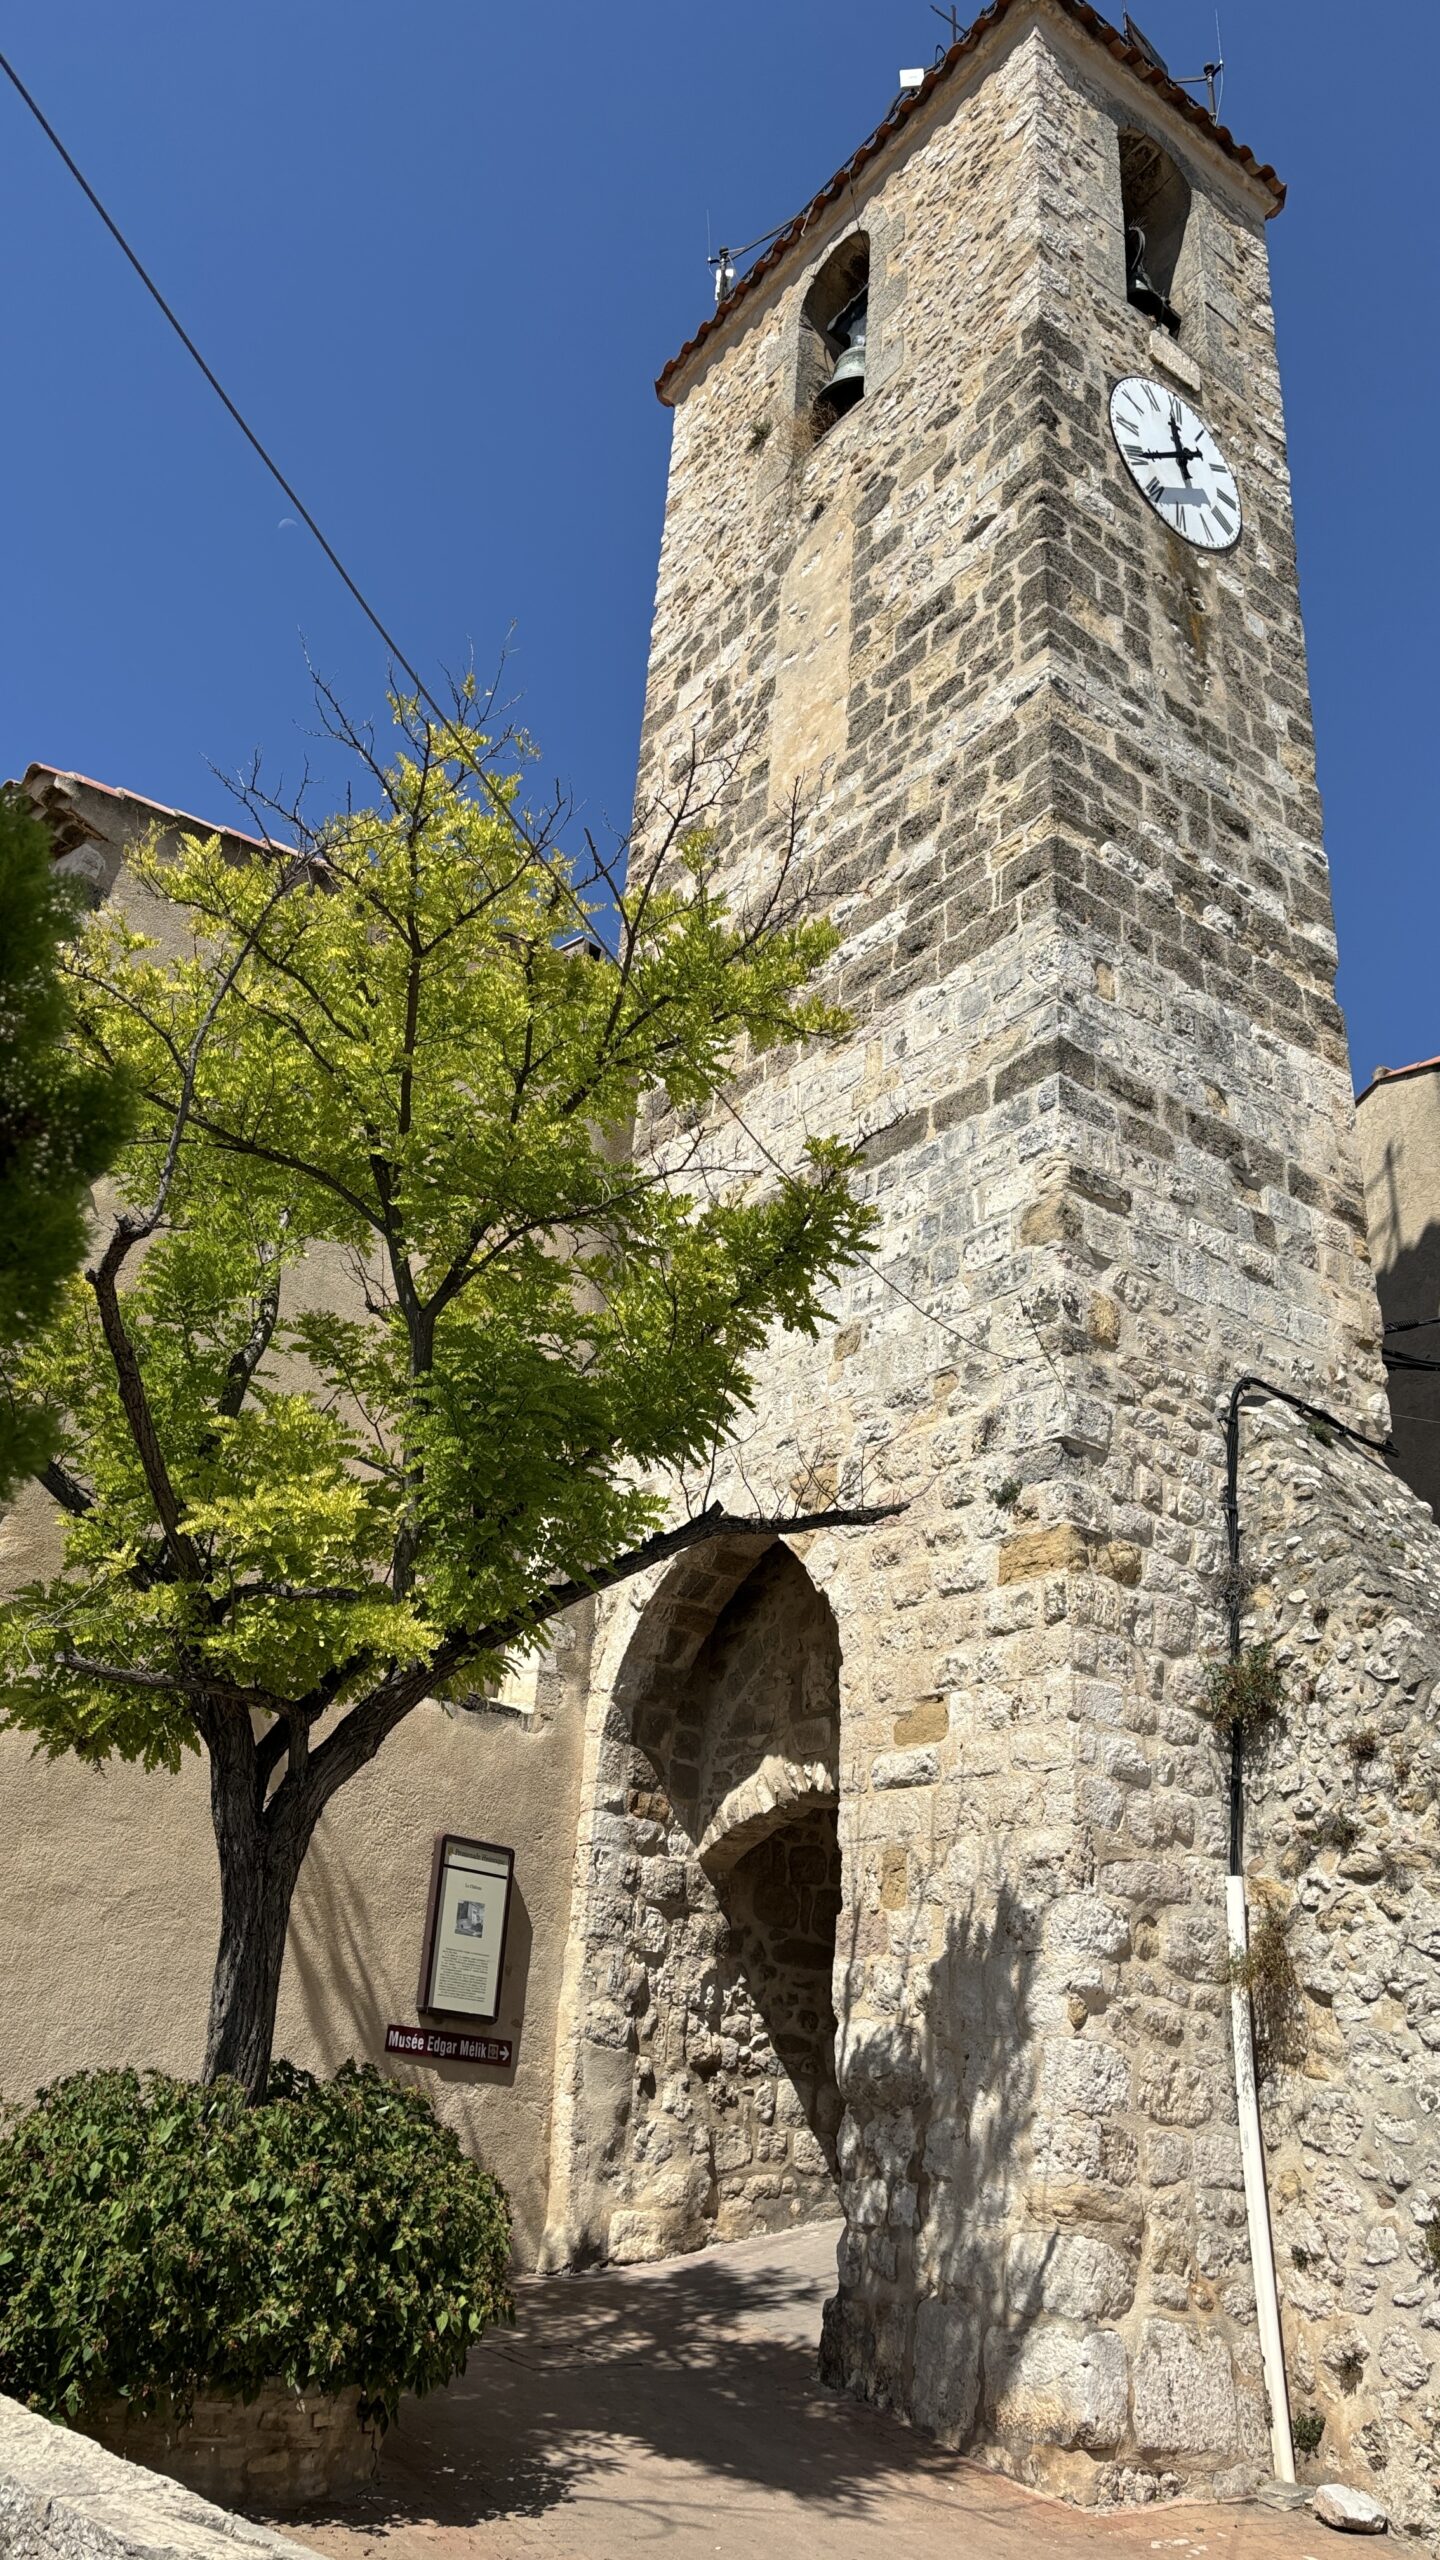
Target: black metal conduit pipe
{"x": 1251, "y": 1385}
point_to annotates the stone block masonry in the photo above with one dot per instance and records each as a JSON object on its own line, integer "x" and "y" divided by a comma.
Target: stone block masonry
{"x": 64, "y": 2498}
{"x": 1061, "y": 805}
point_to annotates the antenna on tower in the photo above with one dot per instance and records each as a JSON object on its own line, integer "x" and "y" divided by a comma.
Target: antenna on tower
{"x": 948, "y": 18}
{"x": 721, "y": 262}
{"x": 1137, "y": 36}
{"x": 1209, "y": 79}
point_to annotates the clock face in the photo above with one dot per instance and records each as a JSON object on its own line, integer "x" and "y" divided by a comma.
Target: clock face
{"x": 1176, "y": 463}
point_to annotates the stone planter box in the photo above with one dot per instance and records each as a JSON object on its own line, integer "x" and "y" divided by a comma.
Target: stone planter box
{"x": 278, "y": 2452}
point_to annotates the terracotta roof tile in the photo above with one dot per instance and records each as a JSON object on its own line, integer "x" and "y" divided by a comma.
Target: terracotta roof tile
{"x": 1395, "y": 1075}
{"x": 45, "y": 784}
{"x": 1082, "y": 16}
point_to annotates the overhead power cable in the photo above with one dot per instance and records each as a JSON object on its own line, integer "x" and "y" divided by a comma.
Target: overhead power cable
{"x": 446, "y": 720}
{"x": 221, "y": 394}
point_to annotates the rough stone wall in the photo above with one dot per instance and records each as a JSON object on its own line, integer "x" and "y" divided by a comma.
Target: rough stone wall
{"x": 1068, "y": 828}
{"x": 1343, "y": 1846}
{"x": 782, "y": 1901}
{"x": 282, "y": 2451}
{"x": 64, "y": 2498}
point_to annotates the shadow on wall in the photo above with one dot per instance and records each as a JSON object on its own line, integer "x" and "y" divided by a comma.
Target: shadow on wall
{"x": 782, "y": 1903}
{"x": 334, "y": 1969}
{"x": 1409, "y": 1289}
{"x": 329, "y": 1962}
{"x": 938, "y": 2289}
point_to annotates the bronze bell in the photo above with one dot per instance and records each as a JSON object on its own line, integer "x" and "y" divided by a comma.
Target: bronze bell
{"x": 1146, "y": 296}
{"x": 847, "y": 383}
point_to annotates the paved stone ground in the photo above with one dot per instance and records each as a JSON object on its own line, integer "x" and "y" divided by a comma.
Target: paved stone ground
{"x": 675, "y": 2409}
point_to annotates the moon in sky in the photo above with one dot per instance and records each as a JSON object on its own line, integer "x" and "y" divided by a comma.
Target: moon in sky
{"x": 287, "y": 524}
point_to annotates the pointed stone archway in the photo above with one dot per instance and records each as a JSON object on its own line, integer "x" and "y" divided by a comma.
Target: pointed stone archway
{"x": 702, "y": 2099}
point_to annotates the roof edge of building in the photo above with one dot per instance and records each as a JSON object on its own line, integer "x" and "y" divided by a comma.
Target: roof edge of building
{"x": 50, "y": 777}
{"x": 1397, "y": 1075}
{"x": 1080, "y": 14}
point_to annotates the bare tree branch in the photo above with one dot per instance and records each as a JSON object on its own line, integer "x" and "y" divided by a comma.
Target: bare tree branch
{"x": 186, "y": 1685}
{"x": 65, "y": 1490}
{"x": 244, "y": 1362}
{"x": 367, "y": 1724}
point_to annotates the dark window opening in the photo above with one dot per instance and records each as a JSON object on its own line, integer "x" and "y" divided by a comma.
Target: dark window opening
{"x": 1155, "y": 207}
{"x": 833, "y": 333}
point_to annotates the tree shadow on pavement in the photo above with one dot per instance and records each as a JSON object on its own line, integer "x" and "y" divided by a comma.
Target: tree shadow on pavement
{"x": 709, "y": 2362}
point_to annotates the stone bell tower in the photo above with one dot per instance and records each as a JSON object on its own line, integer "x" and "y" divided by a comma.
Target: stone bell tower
{"x": 903, "y": 1852}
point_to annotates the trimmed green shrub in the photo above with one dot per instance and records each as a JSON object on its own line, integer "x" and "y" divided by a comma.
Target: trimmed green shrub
{"x": 159, "y": 2238}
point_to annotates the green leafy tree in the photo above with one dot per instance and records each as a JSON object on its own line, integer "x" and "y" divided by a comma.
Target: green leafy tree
{"x": 61, "y": 1118}
{"x": 394, "y": 1051}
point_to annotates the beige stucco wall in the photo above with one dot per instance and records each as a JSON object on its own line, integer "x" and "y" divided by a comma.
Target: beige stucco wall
{"x": 109, "y": 1913}
{"x": 109, "y": 1907}
{"x": 1399, "y": 1123}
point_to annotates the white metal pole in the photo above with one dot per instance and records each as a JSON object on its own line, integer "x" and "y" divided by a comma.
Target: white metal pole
{"x": 1257, "y": 2203}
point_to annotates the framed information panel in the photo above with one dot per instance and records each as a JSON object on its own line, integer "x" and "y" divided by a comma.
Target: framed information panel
{"x": 464, "y": 1960}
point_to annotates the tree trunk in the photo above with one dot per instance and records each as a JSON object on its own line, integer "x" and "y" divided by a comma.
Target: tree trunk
{"x": 258, "y": 1873}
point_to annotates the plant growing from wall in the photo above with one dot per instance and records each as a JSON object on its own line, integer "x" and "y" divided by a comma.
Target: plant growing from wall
{"x": 61, "y": 1117}
{"x": 1246, "y": 1692}
{"x": 158, "y": 2238}
{"x": 402, "y": 1047}
{"x": 1277, "y": 2006}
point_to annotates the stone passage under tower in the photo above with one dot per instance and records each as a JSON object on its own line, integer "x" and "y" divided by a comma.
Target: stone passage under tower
{"x": 718, "y": 1948}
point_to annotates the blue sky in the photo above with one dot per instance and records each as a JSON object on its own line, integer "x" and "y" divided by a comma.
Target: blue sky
{"x": 439, "y": 253}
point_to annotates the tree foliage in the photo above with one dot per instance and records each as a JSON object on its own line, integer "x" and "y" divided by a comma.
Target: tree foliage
{"x": 399, "y": 1055}
{"x": 158, "y": 2239}
{"x": 60, "y": 1118}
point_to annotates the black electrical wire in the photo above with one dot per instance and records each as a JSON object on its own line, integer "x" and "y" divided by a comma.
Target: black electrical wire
{"x": 397, "y": 654}
{"x": 221, "y": 394}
